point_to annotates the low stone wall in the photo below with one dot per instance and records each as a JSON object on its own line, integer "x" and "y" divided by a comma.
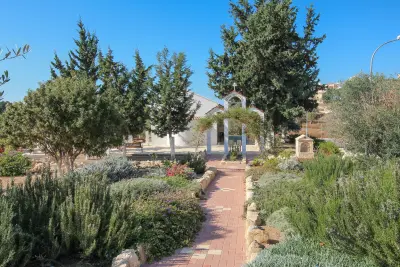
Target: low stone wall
{"x": 257, "y": 236}
{"x": 133, "y": 258}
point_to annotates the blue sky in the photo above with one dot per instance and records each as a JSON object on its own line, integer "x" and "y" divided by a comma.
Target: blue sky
{"x": 353, "y": 28}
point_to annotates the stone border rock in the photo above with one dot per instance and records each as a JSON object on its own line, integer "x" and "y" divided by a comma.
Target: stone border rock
{"x": 257, "y": 237}
{"x": 133, "y": 258}
{"x": 207, "y": 177}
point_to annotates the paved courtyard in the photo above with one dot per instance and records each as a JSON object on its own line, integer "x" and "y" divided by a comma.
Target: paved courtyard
{"x": 221, "y": 240}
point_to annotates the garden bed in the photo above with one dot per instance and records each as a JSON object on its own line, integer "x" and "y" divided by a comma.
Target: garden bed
{"x": 94, "y": 213}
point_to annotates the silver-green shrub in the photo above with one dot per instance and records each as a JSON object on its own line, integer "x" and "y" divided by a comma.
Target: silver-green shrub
{"x": 138, "y": 187}
{"x": 115, "y": 168}
{"x": 298, "y": 252}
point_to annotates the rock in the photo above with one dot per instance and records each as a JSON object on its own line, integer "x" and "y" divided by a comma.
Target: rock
{"x": 255, "y": 247}
{"x": 273, "y": 234}
{"x": 257, "y": 234}
{"x": 249, "y": 195}
{"x": 249, "y": 185}
{"x": 252, "y": 207}
{"x": 253, "y": 218}
{"x": 127, "y": 258}
{"x": 271, "y": 156}
{"x": 249, "y": 179}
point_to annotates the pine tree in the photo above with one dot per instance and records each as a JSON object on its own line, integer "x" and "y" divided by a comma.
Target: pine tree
{"x": 274, "y": 66}
{"x": 82, "y": 59}
{"x": 136, "y": 97}
{"x": 128, "y": 90}
{"x": 112, "y": 74}
{"x": 172, "y": 105}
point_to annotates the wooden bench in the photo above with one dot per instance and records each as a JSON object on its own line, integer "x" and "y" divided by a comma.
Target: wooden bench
{"x": 136, "y": 143}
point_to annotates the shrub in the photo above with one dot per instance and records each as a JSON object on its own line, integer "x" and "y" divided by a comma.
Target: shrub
{"x": 279, "y": 220}
{"x": 14, "y": 164}
{"x": 257, "y": 162}
{"x": 138, "y": 187}
{"x": 298, "y": 252}
{"x": 196, "y": 161}
{"x": 277, "y": 195}
{"x": 287, "y": 153}
{"x": 270, "y": 178}
{"x": 328, "y": 148}
{"x": 180, "y": 170}
{"x": 169, "y": 221}
{"x": 269, "y": 165}
{"x": 352, "y": 208}
{"x": 115, "y": 168}
{"x": 291, "y": 164}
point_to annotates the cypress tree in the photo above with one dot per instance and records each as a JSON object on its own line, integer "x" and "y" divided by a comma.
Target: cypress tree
{"x": 82, "y": 59}
{"x": 274, "y": 66}
{"x": 172, "y": 105}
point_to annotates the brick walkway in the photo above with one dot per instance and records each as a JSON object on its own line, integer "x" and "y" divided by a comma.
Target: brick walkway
{"x": 221, "y": 240}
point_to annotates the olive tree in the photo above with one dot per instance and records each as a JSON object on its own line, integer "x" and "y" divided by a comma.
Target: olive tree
{"x": 366, "y": 115}
{"x": 64, "y": 117}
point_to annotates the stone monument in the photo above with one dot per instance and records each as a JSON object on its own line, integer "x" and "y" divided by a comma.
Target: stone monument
{"x": 304, "y": 147}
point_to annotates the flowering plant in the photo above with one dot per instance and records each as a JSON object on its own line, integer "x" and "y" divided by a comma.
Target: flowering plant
{"x": 180, "y": 170}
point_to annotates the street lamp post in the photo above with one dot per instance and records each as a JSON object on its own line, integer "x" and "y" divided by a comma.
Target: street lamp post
{"x": 376, "y": 50}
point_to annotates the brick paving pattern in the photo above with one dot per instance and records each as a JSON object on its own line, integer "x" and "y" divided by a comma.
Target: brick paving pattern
{"x": 220, "y": 243}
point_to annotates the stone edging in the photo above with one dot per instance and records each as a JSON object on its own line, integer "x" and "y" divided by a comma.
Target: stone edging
{"x": 129, "y": 257}
{"x": 257, "y": 237}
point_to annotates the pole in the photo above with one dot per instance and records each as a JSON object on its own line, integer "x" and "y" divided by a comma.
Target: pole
{"x": 307, "y": 124}
{"x": 376, "y": 50}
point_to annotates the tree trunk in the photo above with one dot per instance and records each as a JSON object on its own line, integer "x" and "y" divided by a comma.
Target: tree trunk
{"x": 172, "y": 146}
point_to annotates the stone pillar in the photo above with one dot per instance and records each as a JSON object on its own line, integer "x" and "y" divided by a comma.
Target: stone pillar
{"x": 226, "y": 129}
{"x": 226, "y": 136}
{"x": 244, "y": 138}
{"x": 209, "y": 141}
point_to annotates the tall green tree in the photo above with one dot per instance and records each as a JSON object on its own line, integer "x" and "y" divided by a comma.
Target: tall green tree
{"x": 64, "y": 117}
{"x": 172, "y": 106}
{"x": 128, "y": 90}
{"x": 274, "y": 66}
{"x": 82, "y": 59}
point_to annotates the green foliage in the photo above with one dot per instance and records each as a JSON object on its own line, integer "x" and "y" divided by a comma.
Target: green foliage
{"x": 82, "y": 60}
{"x": 182, "y": 170}
{"x": 14, "y": 164}
{"x": 8, "y": 245}
{"x": 269, "y": 178}
{"x": 286, "y": 154}
{"x": 10, "y": 54}
{"x": 269, "y": 165}
{"x": 290, "y": 164}
{"x": 171, "y": 221}
{"x": 352, "y": 206}
{"x": 331, "y": 95}
{"x": 171, "y": 105}
{"x": 84, "y": 216}
{"x": 365, "y": 116}
{"x": 328, "y": 148}
{"x": 279, "y": 220}
{"x": 277, "y": 192}
{"x": 114, "y": 168}
{"x": 196, "y": 161}
{"x": 264, "y": 39}
{"x": 139, "y": 187}
{"x": 65, "y": 117}
{"x": 127, "y": 90}
{"x": 251, "y": 119}
{"x": 299, "y": 252}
